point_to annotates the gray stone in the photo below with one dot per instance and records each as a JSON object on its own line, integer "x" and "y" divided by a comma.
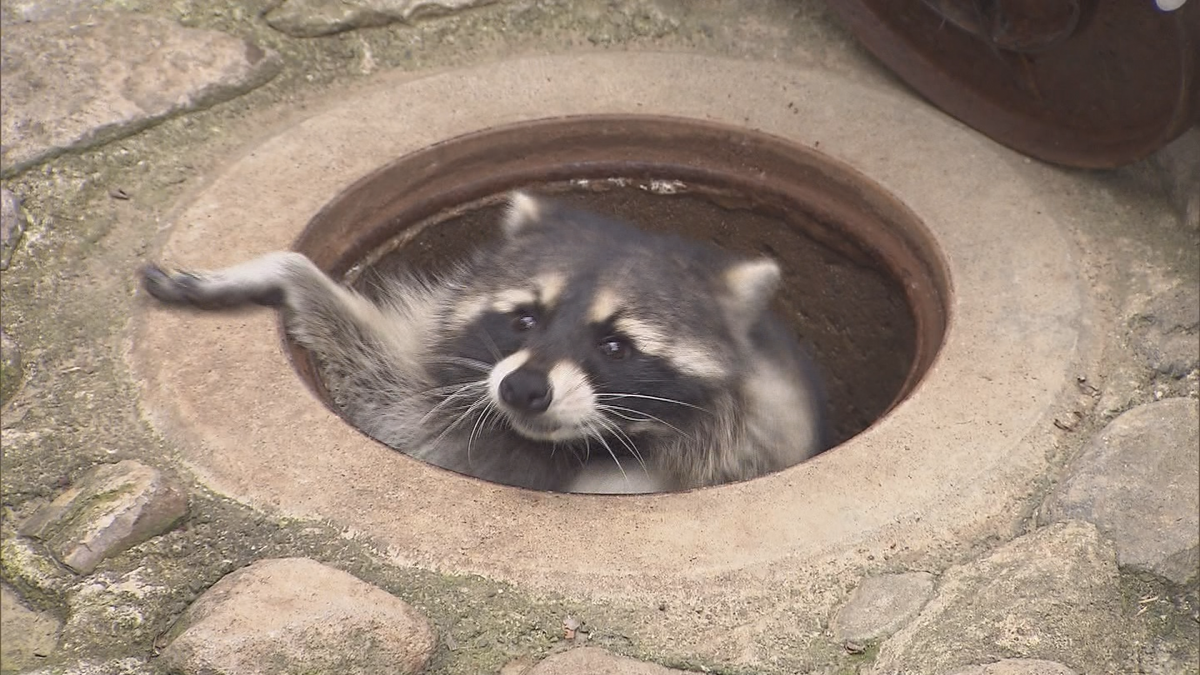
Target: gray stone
{"x": 26, "y": 637}
{"x": 1179, "y": 164}
{"x": 112, "y": 508}
{"x": 1138, "y": 481}
{"x": 12, "y": 225}
{"x": 11, "y": 372}
{"x": 125, "y": 666}
{"x": 1053, "y": 594}
{"x": 594, "y": 661}
{"x": 41, "y": 10}
{"x": 80, "y": 81}
{"x": 310, "y": 18}
{"x": 881, "y": 605}
{"x": 1017, "y": 667}
{"x": 297, "y": 615}
{"x": 1166, "y": 331}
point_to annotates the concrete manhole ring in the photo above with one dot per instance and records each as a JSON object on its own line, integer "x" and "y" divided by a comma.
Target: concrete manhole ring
{"x": 953, "y": 460}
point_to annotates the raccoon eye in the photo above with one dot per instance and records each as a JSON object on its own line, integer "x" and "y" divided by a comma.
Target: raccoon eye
{"x": 524, "y": 321}
{"x": 615, "y": 348}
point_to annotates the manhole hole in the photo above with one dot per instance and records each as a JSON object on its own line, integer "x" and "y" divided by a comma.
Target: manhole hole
{"x": 864, "y": 285}
{"x": 955, "y": 462}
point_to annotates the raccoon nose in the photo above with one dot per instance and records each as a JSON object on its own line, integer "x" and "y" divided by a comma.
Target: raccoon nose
{"x": 527, "y": 390}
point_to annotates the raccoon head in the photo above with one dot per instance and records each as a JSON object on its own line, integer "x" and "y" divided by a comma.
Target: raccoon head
{"x": 594, "y": 331}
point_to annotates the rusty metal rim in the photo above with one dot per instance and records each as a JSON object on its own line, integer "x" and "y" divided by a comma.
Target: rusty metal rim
{"x": 777, "y": 176}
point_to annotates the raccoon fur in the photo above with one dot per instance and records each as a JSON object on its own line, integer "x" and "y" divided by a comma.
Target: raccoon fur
{"x": 576, "y": 353}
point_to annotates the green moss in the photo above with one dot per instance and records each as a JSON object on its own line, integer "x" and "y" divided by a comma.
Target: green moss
{"x": 10, "y": 369}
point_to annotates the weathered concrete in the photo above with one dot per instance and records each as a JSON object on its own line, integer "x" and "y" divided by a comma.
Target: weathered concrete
{"x": 42, "y": 10}
{"x": 592, "y": 661}
{"x": 1139, "y": 482}
{"x": 220, "y": 388}
{"x": 881, "y": 605}
{"x": 1051, "y": 595}
{"x": 310, "y": 18}
{"x": 26, "y": 637}
{"x": 126, "y": 666}
{"x": 1017, "y": 667}
{"x": 1179, "y": 164}
{"x": 1165, "y": 330}
{"x": 297, "y": 615}
{"x": 113, "y": 74}
{"x": 12, "y": 225}
{"x": 113, "y": 507}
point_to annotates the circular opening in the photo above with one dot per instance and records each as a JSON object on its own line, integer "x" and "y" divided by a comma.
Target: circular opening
{"x": 864, "y": 286}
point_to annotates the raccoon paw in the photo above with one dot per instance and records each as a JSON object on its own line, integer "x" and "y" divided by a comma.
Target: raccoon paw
{"x": 172, "y": 288}
{"x": 194, "y": 290}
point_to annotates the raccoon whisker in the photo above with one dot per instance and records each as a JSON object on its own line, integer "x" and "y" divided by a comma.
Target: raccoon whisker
{"x": 473, "y": 364}
{"x": 452, "y": 387}
{"x": 625, "y": 440}
{"x": 595, "y": 433}
{"x": 610, "y": 395}
{"x": 627, "y": 414}
{"x": 481, "y": 401}
{"x": 480, "y": 424}
{"x": 459, "y": 391}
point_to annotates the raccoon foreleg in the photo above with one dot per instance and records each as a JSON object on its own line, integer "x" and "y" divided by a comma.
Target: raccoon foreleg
{"x": 262, "y": 281}
{"x": 333, "y": 321}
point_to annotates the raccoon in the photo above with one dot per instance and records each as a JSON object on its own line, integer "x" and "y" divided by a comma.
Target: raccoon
{"x": 575, "y": 353}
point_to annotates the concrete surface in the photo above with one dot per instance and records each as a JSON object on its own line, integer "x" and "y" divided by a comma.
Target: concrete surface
{"x": 84, "y": 79}
{"x": 593, "y": 662}
{"x": 882, "y": 605}
{"x": 1018, "y": 667}
{"x": 1136, "y": 481}
{"x": 1115, "y": 238}
{"x": 1179, "y": 164}
{"x": 309, "y": 18}
{"x": 1165, "y": 330}
{"x": 28, "y": 636}
{"x": 1052, "y": 595}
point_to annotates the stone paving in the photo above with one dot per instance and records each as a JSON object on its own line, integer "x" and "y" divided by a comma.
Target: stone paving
{"x": 115, "y": 559}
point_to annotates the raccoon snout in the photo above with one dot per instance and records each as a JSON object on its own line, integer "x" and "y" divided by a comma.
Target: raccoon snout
{"x": 526, "y": 390}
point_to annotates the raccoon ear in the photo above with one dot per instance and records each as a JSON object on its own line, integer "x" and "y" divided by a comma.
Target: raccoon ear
{"x": 523, "y": 211}
{"x": 751, "y": 284}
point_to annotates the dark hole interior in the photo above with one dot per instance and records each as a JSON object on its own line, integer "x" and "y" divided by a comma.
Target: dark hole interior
{"x": 853, "y": 318}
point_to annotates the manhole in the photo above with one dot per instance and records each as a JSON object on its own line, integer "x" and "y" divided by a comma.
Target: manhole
{"x": 955, "y": 461}
{"x": 863, "y": 285}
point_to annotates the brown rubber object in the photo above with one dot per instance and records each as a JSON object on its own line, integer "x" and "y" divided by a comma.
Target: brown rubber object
{"x": 1085, "y": 83}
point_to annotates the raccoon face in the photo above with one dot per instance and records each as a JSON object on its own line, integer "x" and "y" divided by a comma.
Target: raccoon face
{"x": 594, "y": 331}
{"x": 564, "y": 372}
